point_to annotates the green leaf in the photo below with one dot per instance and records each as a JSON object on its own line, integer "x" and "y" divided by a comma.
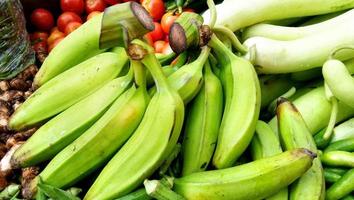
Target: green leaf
{"x": 55, "y": 193}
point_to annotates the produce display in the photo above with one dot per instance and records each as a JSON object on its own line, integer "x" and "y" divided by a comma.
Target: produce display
{"x": 178, "y": 99}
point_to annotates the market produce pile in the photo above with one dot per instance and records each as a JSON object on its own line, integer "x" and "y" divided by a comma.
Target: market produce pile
{"x": 253, "y": 100}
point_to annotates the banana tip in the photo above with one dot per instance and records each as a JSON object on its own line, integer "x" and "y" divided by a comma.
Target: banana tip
{"x": 312, "y": 154}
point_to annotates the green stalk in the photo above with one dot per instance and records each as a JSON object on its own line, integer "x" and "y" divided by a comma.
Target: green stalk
{"x": 234, "y": 40}
{"x": 122, "y": 23}
{"x": 185, "y": 32}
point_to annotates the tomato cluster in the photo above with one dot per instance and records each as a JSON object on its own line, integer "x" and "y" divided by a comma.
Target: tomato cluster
{"x": 74, "y": 12}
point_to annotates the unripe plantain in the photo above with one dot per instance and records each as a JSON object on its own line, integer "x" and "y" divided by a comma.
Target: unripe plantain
{"x": 295, "y": 134}
{"x": 252, "y": 181}
{"x": 242, "y": 105}
{"x": 202, "y": 124}
{"x": 64, "y": 128}
{"x": 151, "y": 142}
{"x": 67, "y": 89}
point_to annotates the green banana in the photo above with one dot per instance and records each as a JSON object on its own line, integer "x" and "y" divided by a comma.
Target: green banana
{"x": 64, "y": 128}
{"x": 295, "y": 134}
{"x": 202, "y": 124}
{"x": 99, "y": 143}
{"x": 242, "y": 105}
{"x": 67, "y": 89}
{"x": 78, "y": 46}
{"x": 188, "y": 79}
{"x": 252, "y": 181}
{"x": 316, "y": 110}
{"x": 151, "y": 143}
{"x": 265, "y": 144}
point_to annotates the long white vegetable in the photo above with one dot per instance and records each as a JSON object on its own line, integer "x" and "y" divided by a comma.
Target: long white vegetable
{"x": 237, "y": 14}
{"x": 274, "y": 56}
{"x": 291, "y": 33}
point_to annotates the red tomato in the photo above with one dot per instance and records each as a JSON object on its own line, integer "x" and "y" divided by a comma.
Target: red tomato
{"x": 76, "y": 6}
{"x": 112, "y": 2}
{"x": 55, "y": 43}
{"x": 42, "y": 19}
{"x": 167, "y": 21}
{"x": 40, "y": 47}
{"x": 157, "y": 33}
{"x": 55, "y": 35}
{"x": 72, "y": 26}
{"x": 167, "y": 39}
{"x": 92, "y": 14}
{"x": 167, "y": 48}
{"x": 156, "y": 8}
{"x": 159, "y": 46}
{"x": 95, "y": 5}
{"x": 39, "y": 37}
{"x": 65, "y": 18}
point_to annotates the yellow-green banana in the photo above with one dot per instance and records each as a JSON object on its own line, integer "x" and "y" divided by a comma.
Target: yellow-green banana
{"x": 264, "y": 144}
{"x": 67, "y": 89}
{"x": 188, "y": 79}
{"x": 78, "y": 46}
{"x": 64, "y": 128}
{"x": 295, "y": 134}
{"x": 99, "y": 143}
{"x": 242, "y": 105}
{"x": 252, "y": 181}
{"x": 202, "y": 124}
{"x": 151, "y": 143}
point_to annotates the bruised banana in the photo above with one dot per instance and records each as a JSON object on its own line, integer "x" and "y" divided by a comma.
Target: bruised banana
{"x": 64, "y": 128}
{"x": 67, "y": 89}
{"x": 202, "y": 124}
{"x": 295, "y": 134}
{"x": 242, "y": 105}
{"x": 99, "y": 143}
{"x": 152, "y": 141}
{"x": 252, "y": 181}
{"x": 264, "y": 144}
{"x": 84, "y": 42}
{"x": 188, "y": 79}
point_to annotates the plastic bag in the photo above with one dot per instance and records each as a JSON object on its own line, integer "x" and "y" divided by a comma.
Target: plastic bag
{"x": 16, "y": 52}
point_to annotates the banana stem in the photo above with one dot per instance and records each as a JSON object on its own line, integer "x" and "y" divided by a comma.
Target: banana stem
{"x": 273, "y": 106}
{"x": 233, "y": 38}
{"x": 159, "y": 191}
{"x": 122, "y": 23}
{"x": 139, "y": 73}
{"x": 139, "y": 50}
{"x": 218, "y": 47}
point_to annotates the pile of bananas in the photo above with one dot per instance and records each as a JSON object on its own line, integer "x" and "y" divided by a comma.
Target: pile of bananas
{"x": 116, "y": 116}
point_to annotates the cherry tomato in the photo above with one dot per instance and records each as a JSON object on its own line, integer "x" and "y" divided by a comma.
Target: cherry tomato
{"x": 42, "y": 19}
{"x": 65, "y": 18}
{"x": 156, "y": 8}
{"x": 92, "y": 14}
{"x": 112, "y": 2}
{"x": 72, "y": 26}
{"x": 95, "y": 5}
{"x": 40, "y": 47}
{"x": 55, "y": 43}
{"x": 76, "y": 6}
{"x": 157, "y": 33}
{"x": 55, "y": 35}
{"x": 167, "y": 48}
{"x": 167, "y": 39}
{"x": 39, "y": 37}
{"x": 167, "y": 21}
{"x": 159, "y": 46}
